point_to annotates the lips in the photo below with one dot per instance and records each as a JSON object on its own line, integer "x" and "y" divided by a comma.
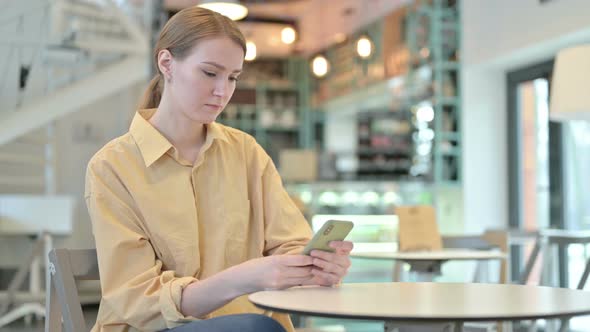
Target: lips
{"x": 215, "y": 107}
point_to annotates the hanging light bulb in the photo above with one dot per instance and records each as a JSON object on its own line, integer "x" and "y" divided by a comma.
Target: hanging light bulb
{"x": 288, "y": 35}
{"x": 230, "y": 8}
{"x": 320, "y": 66}
{"x": 250, "y": 51}
{"x": 364, "y": 47}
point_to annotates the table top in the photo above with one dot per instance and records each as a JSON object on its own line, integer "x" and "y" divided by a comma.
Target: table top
{"x": 566, "y": 236}
{"x": 426, "y": 301}
{"x": 435, "y": 255}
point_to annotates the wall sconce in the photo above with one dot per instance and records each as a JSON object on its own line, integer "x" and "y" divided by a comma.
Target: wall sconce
{"x": 364, "y": 47}
{"x": 320, "y": 66}
{"x": 288, "y": 35}
{"x": 250, "y": 51}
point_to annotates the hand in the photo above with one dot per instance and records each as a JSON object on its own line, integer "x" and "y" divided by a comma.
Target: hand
{"x": 331, "y": 267}
{"x": 273, "y": 272}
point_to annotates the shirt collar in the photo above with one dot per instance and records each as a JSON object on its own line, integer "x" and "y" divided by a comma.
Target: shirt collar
{"x": 152, "y": 144}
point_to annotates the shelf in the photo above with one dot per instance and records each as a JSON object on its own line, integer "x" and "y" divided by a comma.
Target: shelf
{"x": 454, "y": 152}
{"x": 442, "y": 38}
{"x": 273, "y": 86}
{"x": 394, "y": 138}
{"x": 449, "y": 136}
{"x": 278, "y": 109}
{"x": 239, "y": 124}
{"x": 280, "y": 129}
{"x": 389, "y": 151}
{"x": 376, "y": 168}
{"x": 446, "y": 101}
{"x": 450, "y": 65}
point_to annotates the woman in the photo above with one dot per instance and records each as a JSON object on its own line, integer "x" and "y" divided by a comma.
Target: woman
{"x": 190, "y": 216}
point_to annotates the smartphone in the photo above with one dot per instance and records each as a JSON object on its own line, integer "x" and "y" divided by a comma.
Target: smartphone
{"x": 332, "y": 230}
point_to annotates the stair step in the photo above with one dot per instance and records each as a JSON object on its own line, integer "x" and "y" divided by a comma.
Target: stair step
{"x": 19, "y": 158}
{"x": 37, "y": 137}
{"x": 29, "y": 181}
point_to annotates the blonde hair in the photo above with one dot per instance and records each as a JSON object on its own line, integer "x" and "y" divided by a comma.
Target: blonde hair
{"x": 180, "y": 34}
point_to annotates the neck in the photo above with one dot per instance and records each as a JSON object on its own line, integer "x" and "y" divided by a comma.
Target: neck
{"x": 181, "y": 131}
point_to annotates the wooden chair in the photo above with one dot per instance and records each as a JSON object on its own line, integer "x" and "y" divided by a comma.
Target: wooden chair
{"x": 62, "y": 302}
{"x": 490, "y": 239}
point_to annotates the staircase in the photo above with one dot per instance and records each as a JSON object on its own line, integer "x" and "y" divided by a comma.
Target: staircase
{"x": 56, "y": 58}
{"x": 61, "y": 55}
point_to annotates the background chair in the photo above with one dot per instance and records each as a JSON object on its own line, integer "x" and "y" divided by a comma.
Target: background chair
{"x": 65, "y": 268}
{"x": 490, "y": 239}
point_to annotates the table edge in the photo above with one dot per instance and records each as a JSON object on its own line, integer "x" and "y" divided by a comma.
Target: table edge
{"x": 425, "y": 319}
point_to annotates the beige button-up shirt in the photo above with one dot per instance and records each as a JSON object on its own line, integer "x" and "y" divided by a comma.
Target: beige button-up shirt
{"x": 161, "y": 222}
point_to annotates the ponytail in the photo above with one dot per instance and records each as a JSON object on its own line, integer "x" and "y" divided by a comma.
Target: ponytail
{"x": 153, "y": 93}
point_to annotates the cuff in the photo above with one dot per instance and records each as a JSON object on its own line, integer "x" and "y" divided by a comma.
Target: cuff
{"x": 170, "y": 297}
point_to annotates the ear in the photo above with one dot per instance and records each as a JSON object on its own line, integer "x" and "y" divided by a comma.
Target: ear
{"x": 165, "y": 62}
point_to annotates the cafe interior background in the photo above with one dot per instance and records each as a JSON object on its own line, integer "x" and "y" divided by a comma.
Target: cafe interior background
{"x": 363, "y": 105}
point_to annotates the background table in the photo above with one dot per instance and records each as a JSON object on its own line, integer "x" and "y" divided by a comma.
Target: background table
{"x": 428, "y": 302}
{"x": 427, "y": 264}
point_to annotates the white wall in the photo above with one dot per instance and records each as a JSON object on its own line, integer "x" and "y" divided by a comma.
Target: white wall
{"x": 500, "y": 36}
{"x": 108, "y": 119}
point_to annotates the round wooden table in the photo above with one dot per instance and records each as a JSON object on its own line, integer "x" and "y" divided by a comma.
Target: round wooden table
{"x": 424, "y": 302}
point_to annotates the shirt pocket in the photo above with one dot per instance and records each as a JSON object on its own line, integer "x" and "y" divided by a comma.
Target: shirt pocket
{"x": 237, "y": 218}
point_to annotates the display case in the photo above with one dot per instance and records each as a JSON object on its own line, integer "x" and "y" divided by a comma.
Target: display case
{"x": 369, "y": 205}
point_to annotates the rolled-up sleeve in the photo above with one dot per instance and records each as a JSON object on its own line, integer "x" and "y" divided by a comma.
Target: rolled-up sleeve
{"x": 286, "y": 230}
{"x": 134, "y": 284}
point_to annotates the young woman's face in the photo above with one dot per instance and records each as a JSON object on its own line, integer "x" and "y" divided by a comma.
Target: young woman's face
{"x": 202, "y": 83}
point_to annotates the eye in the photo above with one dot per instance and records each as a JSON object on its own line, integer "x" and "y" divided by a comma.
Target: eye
{"x": 234, "y": 79}
{"x": 210, "y": 74}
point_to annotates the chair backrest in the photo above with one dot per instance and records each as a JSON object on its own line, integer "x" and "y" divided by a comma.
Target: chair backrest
{"x": 417, "y": 228}
{"x": 65, "y": 267}
{"x": 489, "y": 240}
{"x": 475, "y": 242}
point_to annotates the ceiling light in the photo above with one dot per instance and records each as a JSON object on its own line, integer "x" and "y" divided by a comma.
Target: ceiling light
{"x": 288, "y": 35}
{"x": 250, "y": 51}
{"x": 319, "y": 66}
{"x": 364, "y": 47}
{"x": 230, "y": 8}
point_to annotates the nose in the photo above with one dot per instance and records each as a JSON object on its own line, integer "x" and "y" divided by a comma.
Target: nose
{"x": 221, "y": 88}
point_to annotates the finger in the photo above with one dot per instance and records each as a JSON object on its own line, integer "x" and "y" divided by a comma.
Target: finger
{"x": 303, "y": 271}
{"x": 295, "y": 260}
{"x": 329, "y": 277}
{"x": 329, "y": 267}
{"x": 342, "y": 247}
{"x": 327, "y": 256}
{"x": 342, "y": 260}
{"x": 299, "y": 281}
{"x": 316, "y": 281}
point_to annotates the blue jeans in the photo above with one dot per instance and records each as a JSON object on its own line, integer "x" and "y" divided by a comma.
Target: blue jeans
{"x": 239, "y": 322}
